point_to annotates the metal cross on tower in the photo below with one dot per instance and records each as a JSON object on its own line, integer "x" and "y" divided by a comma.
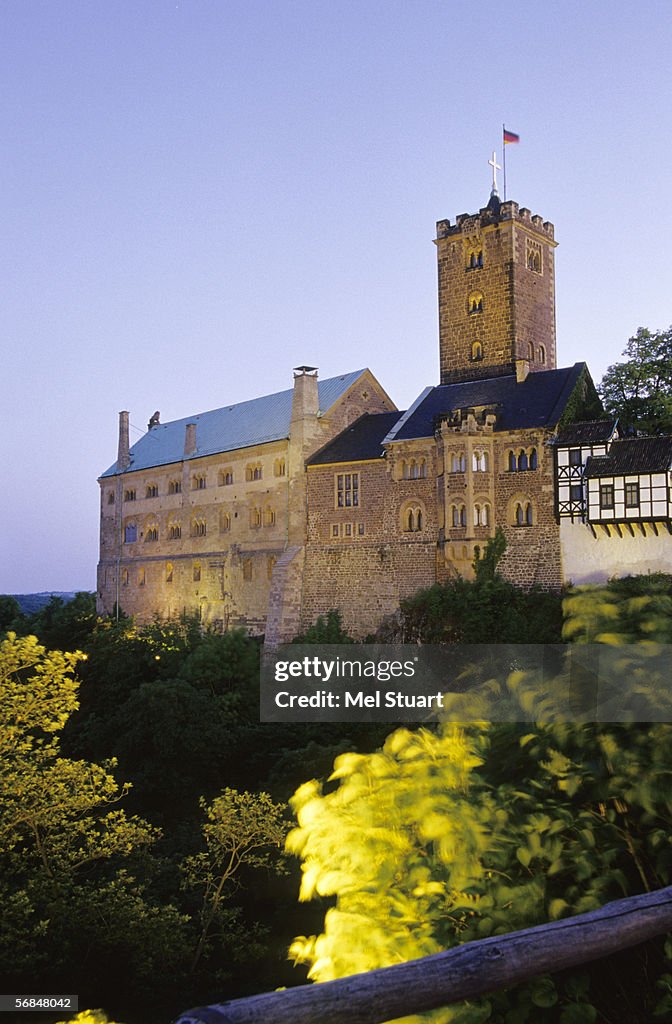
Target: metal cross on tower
{"x": 495, "y": 167}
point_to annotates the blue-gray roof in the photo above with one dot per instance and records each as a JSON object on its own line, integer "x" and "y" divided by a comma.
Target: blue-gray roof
{"x": 361, "y": 441}
{"x": 234, "y": 426}
{"x": 538, "y": 401}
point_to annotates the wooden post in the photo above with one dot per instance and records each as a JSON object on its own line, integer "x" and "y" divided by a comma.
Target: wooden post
{"x": 465, "y": 972}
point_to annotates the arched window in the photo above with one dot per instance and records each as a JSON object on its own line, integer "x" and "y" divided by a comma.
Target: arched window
{"x": 169, "y": 572}
{"x": 199, "y": 527}
{"x": 197, "y": 572}
{"x": 225, "y": 477}
{"x": 269, "y": 516}
{"x": 412, "y": 519}
{"x": 175, "y": 487}
{"x": 512, "y": 462}
{"x": 422, "y": 469}
{"x": 519, "y": 515}
{"x": 479, "y": 462}
{"x": 528, "y": 515}
{"x": 475, "y": 302}
{"x": 542, "y": 354}
{"x": 174, "y": 531}
{"x": 270, "y": 566}
{"x": 533, "y": 458}
{"x": 255, "y": 517}
{"x": 224, "y": 522}
{"x": 279, "y": 467}
{"x": 522, "y": 460}
{"x": 476, "y": 348}
{"x": 253, "y": 471}
{"x": 152, "y": 491}
{"x": 530, "y": 351}
{"x": 485, "y": 516}
{"x": 151, "y": 533}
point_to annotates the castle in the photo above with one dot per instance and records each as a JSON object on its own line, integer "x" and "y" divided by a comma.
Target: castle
{"x": 267, "y": 513}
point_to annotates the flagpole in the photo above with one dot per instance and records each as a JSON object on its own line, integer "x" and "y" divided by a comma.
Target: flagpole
{"x": 504, "y": 157}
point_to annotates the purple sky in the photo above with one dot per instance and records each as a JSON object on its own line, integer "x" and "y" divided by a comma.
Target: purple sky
{"x": 200, "y": 195}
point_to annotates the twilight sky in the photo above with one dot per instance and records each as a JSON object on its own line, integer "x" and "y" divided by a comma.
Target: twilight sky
{"x": 199, "y": 195}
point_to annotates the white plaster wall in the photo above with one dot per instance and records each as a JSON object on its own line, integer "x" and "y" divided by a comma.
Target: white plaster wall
{"x": 586, "y": 559}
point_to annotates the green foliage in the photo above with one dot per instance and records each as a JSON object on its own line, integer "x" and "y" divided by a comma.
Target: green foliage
{"x": 584, "y": 402}
{"x": 463, "y": 833}
{"x": 243, "y": 830}
{"x": 65, "y": 625}
{"x": 639, "y": 390}
{"x": 325, "y": 630}
{"x": 629, "y": 610}
{"x": 487, "y": 609}
{"x": 10, "y": 613}
{"x": 66, "y": 850}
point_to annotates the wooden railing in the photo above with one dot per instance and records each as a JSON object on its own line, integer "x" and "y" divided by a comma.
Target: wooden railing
{"x": 465, "y": 972}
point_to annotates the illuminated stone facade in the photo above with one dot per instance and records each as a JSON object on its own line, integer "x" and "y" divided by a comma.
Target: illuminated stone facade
{"x": 269, "y": 513}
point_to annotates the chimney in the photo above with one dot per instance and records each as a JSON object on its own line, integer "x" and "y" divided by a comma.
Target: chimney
{"x": 190, "y": 439}
{"x": 304, "y": 400}
{"x": 522, "y": 370}
{"x": 123, "y": 451}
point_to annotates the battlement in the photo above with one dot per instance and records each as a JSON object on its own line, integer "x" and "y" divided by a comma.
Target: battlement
{"x": 494, "y": 213}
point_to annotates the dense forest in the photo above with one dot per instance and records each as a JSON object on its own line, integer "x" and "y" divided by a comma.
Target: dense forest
{"x": 145, "y": 858}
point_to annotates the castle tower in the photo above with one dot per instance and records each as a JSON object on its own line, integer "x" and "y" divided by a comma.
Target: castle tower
{"x": 496, "y": 293}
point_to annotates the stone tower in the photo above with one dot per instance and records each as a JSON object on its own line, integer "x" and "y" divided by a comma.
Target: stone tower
{"x": 496, "y": 293}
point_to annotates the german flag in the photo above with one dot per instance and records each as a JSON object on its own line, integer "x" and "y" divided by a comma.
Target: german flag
{"x": 510, "y": 136}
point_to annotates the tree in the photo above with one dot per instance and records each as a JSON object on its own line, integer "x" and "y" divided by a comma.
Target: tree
{"x": 72, "y": 907}
{"x": 461, "y": 833}
{"x": 242, "y": 830}
{"x": 639, "y": 390}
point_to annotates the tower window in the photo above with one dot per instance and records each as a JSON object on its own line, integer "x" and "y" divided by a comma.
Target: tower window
{"x": 533, "y": 256}
{"x": 542, "y": 355}
{"x": 475, "y": 302}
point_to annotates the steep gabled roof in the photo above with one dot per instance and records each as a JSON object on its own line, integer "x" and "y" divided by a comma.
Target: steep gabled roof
{"x": 589, "y": 432}
{"x": 632, "y": 456}
{"x": 538, "y": 401}
{"x": 234, "y": 426}
{"x": 361, "y": 441}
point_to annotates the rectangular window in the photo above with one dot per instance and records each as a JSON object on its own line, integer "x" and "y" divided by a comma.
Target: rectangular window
{"x": 347, "y": 490}
{"x": 631, "y": 495}
{"x": 606, "y": 495}
{"x": 348, "y": 529}
{"x": 334, "y": 530}
{"x": 360, "y": 529}
{"x": 575, "y": 456}
{"x": 576, "y": 492}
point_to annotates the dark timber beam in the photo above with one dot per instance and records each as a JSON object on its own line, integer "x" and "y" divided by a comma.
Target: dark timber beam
{"x": 465, "y": 972}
